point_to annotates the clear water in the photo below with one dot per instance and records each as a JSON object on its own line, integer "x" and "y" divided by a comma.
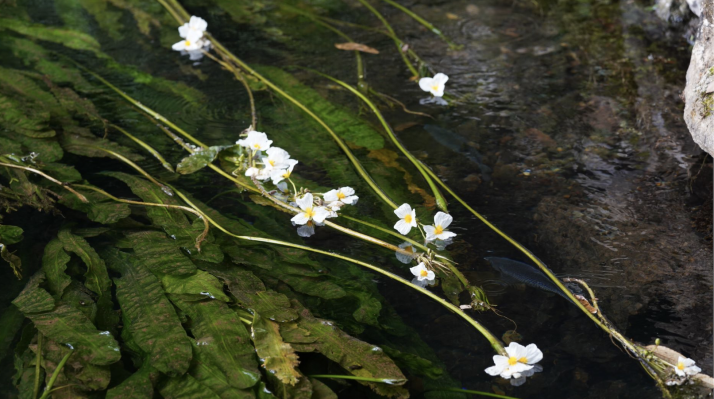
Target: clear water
{"x": 573, "y": 107}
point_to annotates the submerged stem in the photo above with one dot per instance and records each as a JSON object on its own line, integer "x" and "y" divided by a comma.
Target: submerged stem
{"x": 422, "y": 21}
{"x": 38, "y": 365}
{"x": 48, "y": 177}
{"x": 55, "y": 374}
{"x": 147, "y": 147}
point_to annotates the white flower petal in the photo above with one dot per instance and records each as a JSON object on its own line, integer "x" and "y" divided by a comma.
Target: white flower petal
{"x": 533, "y": 354}
{"x": 402, "y": 211}
{"x": 442, "y": 219}
{"x": 426, "y": 83}
{"x": 441, "y": 78}
{"x": 430, "y": 275}
{"x": 347, "y": 191}
{"x": 306, "y": 230}
{"x": 183, "y": 30}
{"x": 402, "y": 227}
{"x": 320, "y": 214}
{"x": 404, "y": 258}
{"x": 351, "y": 200}
{"x": 416, "y": 270}
{"x": 446, "y": 235}
{"x": 429, "y": 230}
{"x": 305, "y": 202}
{"x": 331, "y": 196}
{"x": 301, "y": 218}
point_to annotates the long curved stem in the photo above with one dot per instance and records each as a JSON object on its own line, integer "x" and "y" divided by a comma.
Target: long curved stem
{"x": 147, "y": 147}
{"x": 55, "y": 374}
{"x": 38, "y": 366}
{"x": 46, "y": 176}
{"x": 422, "y": 21}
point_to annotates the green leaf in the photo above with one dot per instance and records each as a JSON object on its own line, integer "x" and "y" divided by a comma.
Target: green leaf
{"x": 137, "y": 386}
{"x": 100, "y": 209}
{"x": 54, "y": 264}
{"x": 198, "y": 160}
{"x": 151, "y": 319}
{"x": 205, "y": 370}
{"x": 278, "y": 357}
{"x": 224, "y": 341}
{"x": 10, "y": 322}
{"x": 356, "y": 357}
{"x": 321, "y": 391}
{"x": 69, "y": 326}
{"x": 81, "y": 141}
{"x": 68, "y": 38}
{"x": 160, "y": 254}
{"x": 252, "y": 294}
{"x": 81, "y": 375}
{"x": 186, "y": 387}
{"x": 34, "y": 299}
{"x": 96, "y": 276}
{"x": 12, "y": 259}
{"x": 10, "y": 234}
{"x": 200, "y": 285}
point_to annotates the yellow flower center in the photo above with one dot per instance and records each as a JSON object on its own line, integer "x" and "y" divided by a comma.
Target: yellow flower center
{"x": 408, "y": 218}
{"x": 309, "y": 213}
{"x": 680, "y": 366}
{"x": 523, "y": 360}
{"x": 512, "y": 360}
{"x": 271, "y": 162}
{"x": 340, "y": 195}
{"x": 286, "y": 174}
{"x": 424, "y": 273}
{"x": 435, "y": 87}
{"x": 187, "y": 43}
{"x": 438, "y": 230}
{"x": 410, "y": 249}
{"x": 256, "y": 145}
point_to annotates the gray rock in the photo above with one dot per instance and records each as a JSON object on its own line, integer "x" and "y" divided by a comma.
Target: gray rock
{"x": 699, "y": 91}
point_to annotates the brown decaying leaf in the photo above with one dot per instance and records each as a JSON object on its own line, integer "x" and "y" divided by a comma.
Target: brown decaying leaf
{"x": 356, "y": 47}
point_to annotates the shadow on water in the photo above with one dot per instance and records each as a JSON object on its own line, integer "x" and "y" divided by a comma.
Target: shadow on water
{"x": 565, "y": 131}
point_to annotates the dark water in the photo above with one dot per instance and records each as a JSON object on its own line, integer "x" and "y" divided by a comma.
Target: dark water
{"x": 573, "y": 109}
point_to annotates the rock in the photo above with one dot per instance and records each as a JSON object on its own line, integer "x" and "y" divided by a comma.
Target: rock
{"x": 698, "y": 98}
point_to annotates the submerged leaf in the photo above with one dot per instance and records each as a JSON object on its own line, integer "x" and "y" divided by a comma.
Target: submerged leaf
{"x": 137, "y": 386}
{"x": 97, "y": 278}
{"x": 200, "y": 285}
{"x": 186, "y": 387}
{"x": 223, "y": 341}
{"x": 10, "y": 234}
{"x": 66, "y": 37}
{"x": 279, "y": 358}
{"x": 198, "y": 160}
{"x": 54, "y": 264}
{"x": 34, "y": 299}
{"x": 12, "y": 259}
{"x": 149, "y": 316}
{"x": 160, "y": 254}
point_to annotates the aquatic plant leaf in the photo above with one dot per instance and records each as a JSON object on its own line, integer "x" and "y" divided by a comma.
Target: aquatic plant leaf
{"x": 199, "y": 285}
{"x": 11, "y": 321}
{"x": 69, "y": 326}
{"x": 160, "y": 254}
{"x": 12, "y": 79}
{"x": 278, "y": 357}
{"x": 97, "y": 278}
{"x": 185, "y": 387}
{"x": 10, "y": 234}
{"x": 81, "y": 141}
{"x": 61, "y": 172}
{"x": 13, "y": 260}
{"x": 99, "y": 209}
{"x": 137, "y": 386}
{"x": 321, "y": 391}
{"x": 206, "y": 371}
{"x": 152, "y": 321}
{"x": 107, "y": 19}
{"x": 343, "y": 122}
{"x": 252, "y": 294}
{"x": 65, "y": 37}
{"x": 81, "y": 375}
{"x": 415, "y": 364}
{"x": 198, "y": 160}
{"x": 356, "y": 357}
{"x": 54, "y": 264}
{"x": 28, "y": 121}
{"x": 48, "y": 150}
{"x": 223, "y": 340}
{"x": 34, "y": 299}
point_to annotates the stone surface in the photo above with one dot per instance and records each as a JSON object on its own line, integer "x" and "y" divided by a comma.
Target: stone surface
{"x": 699, "y": 92}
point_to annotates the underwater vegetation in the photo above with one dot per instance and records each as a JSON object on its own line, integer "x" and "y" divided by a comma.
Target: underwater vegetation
{"x": 160, "y": 256}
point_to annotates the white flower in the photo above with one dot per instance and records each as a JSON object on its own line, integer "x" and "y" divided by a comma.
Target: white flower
{"x": 259, "y": 174}
{"x": 277, "y": 159}
{"x": 404, "y": 258}
{"x": 438, "y": 230}
{"x": 421, "y": 272}
{"x": 517, "y": 364}
{"x": 309, "y": 211}
{"x": 407, "y": 219}
{"x": 344, "y": 195}
{"x": 193, "y": 29}
{"x": 434, "y": 85}
{"x": 189, "y": 45}
{"x": 256, "y": 141}
{"x": 686, "y": 367}
{"x": 279, "y": 175}
{"x": 308, "y": 229}
{"x": 518, "y": 381}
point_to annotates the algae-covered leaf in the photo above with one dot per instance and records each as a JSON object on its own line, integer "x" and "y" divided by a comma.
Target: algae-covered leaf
{"x": 66, "y": 37}
{"x": 321, "y": 391}
{"x": 137, "y": 386}
{"x": 80, "y": 375}
{"x": 69, "y": 326}
{"x": 344, "y": 123}
{"x": 96, "y": 276}
{"x": 186, "y": 387}
{"x": 200, "y": 285}
{"x": 198, "y": 160}
{"x": 34, "y": 299}
{"x": 356, "y": 357}
{"x": 81, "y": 141}
{"x": 224, "y": 341}
{"x": 10, "y": 234}
{"x": 152, "y": 321}
{"x": 160, "y": 254}
{"x": 10, "y": 322}
{"x": 279, "y": 358}
{"x": 99, "y": 209}
{"x": 54, "y": 264}
{"x": 206, "y": 371}
{"x": 13, "y": 260}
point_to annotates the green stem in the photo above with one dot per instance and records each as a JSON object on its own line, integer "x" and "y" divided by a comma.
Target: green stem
{"x": 46, "y": 176}
{"x": 132, "y": 164}
{"x": 38, "y": 366}
{"x": 387, "y": 231}
{"x": 398, "y": 42}
{"x": 440, "y": 200}
{"x": 55, "y": 374}
{"x": 422, "y": 21}
{"x": 388, "y": 381}
{"x": 147, "y": 147}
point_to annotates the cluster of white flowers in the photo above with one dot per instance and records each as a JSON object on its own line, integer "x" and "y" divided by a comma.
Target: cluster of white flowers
{"x": 193, "y": 42}
{"x": 519, "y": 364}
{"x": 276, "y": 165}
